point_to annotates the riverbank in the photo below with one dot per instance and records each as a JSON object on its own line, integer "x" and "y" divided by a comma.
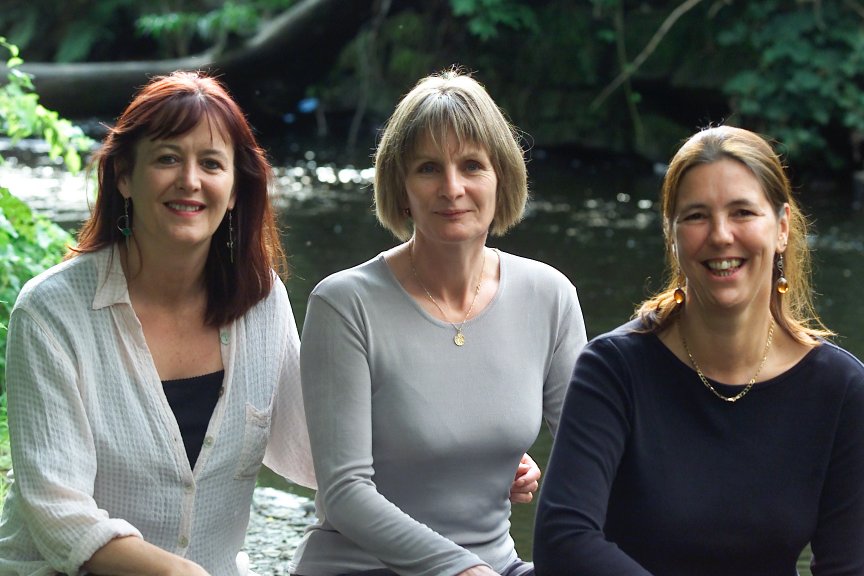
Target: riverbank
{"x": 276, "y": 524}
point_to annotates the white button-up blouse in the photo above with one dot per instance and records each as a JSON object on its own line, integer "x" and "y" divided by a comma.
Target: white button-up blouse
{"x": 96, "y": 450}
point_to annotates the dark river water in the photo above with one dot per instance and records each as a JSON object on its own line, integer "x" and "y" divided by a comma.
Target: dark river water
{"x": 596, "y": 221}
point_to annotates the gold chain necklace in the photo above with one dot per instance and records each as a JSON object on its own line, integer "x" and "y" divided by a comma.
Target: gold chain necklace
{"x": 459, "y": 338}
{"x": 752, "y": 381}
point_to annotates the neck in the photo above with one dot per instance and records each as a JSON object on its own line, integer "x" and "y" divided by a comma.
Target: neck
{"x": 171, "y": 279}
{"x": 449, "y": 273}
{"x": 728, "y": 348}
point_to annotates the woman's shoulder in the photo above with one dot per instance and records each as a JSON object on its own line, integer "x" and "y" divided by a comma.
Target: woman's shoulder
{"x": 829, "y": 358}
{"x": 530, "y": 280}
{"x": 75, "y": 279}
{"x": 522, "y": 267}
{"x": 628, "y": 339}
{"x": 355, "y": 280}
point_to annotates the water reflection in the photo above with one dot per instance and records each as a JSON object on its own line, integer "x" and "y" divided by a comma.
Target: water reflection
{"x": 599, "y": 226}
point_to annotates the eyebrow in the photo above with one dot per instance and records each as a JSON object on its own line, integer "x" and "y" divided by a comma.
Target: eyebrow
{"x": 206, "y": 152}
{"x": 737, "y": 203}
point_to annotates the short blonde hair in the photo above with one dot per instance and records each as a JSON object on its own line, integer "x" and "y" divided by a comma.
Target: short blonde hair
{"x": 794, "y": 310}
{"x": 450, "y": 102}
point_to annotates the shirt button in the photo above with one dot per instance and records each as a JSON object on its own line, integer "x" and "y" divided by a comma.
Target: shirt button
{"x": 183, "y": 541}
{"x": 208, "y": 441}
{"x": 189, "y": 487}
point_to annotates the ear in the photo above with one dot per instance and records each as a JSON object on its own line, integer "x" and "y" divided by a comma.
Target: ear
{"x": 783, "y": 228}
{"x": 122, "y": 175}
{"x": 232, "y": 200}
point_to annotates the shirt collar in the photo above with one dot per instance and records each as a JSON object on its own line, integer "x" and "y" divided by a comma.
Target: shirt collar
{"x": 111, "y": 287}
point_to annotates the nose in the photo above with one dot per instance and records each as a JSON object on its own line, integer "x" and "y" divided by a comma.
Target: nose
{"x": 453, "y": 185}
{"x": 721, "y": 231}
{"x": 189, "y": 178}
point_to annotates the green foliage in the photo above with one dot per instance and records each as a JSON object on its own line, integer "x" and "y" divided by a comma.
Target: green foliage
{"x": 485, "y": 17}
{"x": 21, "y": 116}
{"x": 175, "y": 30}
{"x": 803, "y": 82}
{"x": 29, "y": 243}
{"x": 81, "y": 30}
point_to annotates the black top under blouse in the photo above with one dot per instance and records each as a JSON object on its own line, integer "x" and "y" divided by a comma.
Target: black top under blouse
{"x": 193, "y": 400}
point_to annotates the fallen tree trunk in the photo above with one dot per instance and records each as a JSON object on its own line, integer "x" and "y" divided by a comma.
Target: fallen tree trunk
{"x": 293, "y": 50}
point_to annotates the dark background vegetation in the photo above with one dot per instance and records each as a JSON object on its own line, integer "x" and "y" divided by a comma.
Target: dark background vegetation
{"x": 623, "y": 77}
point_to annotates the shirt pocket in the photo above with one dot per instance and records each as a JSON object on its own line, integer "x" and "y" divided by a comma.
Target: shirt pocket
{"x": 256, "y": 431}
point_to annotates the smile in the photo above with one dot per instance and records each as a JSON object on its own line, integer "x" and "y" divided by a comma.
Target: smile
{"x": 184, "y": 207}
{"x": 724, "y": 267}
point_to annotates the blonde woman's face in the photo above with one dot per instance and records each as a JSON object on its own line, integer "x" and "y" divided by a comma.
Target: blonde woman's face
{"x": 451, "y": 191}
{"x": 725, "y": 234}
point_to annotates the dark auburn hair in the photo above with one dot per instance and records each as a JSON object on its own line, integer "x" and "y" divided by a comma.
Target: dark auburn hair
{"x": 171, "y": 106}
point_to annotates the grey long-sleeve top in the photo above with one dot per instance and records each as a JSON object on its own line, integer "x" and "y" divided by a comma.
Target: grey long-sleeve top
{"x": 415, "y": 440}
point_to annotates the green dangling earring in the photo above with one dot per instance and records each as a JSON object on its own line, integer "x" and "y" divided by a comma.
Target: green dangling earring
{"x": 123, "y": 222}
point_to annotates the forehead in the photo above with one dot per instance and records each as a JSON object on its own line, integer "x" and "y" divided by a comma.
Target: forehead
{"x": 722, "y": 182}
{"x": 444, "y": 144}
{"x": 208, "y": 133}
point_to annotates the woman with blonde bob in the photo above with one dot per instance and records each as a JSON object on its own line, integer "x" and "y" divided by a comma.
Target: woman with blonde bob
{"x": 428, "y": 370}
{"x": 718, "y": 432}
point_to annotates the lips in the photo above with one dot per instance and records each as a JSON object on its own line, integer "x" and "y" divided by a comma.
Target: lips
{"x": 724, "y": 266}
{"x": 184, "y": 206}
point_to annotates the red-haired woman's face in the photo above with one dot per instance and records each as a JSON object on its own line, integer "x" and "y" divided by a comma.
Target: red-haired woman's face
{"x": 180, "y": 188}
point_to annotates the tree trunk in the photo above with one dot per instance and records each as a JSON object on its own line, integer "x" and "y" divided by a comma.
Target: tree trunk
{"x": 269, "y": 71}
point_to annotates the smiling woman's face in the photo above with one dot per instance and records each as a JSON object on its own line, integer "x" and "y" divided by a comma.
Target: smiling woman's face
{"x": 726, "y": 234}
{"x": 180, "y": 188}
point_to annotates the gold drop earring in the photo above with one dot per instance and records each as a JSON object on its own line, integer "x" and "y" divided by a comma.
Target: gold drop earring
{"x": 782, "y": 285}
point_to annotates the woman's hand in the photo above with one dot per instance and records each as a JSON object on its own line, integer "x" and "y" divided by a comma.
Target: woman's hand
{"x": 479, "y": 570}
{"x": 526, "y": 481}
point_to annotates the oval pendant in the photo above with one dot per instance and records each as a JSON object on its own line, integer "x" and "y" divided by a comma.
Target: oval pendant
{"x": 459, "y": 339}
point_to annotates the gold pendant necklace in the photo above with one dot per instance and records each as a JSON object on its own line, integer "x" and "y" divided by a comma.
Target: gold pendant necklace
{"x": 459, "y": 338}
{"x": 752, "y": 381}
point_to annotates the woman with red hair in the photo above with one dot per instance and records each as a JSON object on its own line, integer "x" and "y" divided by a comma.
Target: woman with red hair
{"x": 147, "y": 373}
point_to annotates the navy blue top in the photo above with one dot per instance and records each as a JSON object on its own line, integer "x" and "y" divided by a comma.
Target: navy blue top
{"x": 650, "y": 473}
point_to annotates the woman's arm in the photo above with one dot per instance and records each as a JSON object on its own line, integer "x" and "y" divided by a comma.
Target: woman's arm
{"x": 837, "y": 544}
{"x": 288, "y": 452}
{"x": 337, "y": 392}
{"x": 53, "y": 451}
{"x": 591, "y": 438}
{"x": 132, "y": 556}
{"x": 571, "y": 339}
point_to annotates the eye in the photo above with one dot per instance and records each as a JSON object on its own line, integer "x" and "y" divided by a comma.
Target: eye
{"x": 167, "y": 159}
{"x": 427, "y": 168}
{"x": 211, "y": 164}
{"x": 743, "y": 213}
{"x": 473, "y": 166}
{"x": 691, "y": 217}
